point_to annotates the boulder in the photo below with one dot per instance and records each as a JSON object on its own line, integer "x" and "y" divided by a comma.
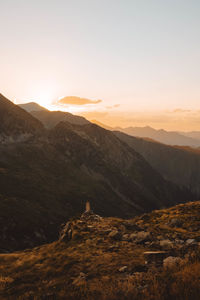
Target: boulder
{"x": 171, "y": 262}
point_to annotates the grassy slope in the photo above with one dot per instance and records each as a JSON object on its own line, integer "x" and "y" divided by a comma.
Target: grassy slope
{"x": 47, "y": 272}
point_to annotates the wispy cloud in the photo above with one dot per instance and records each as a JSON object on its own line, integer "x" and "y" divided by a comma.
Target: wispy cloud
{"x": 73, "y": 100}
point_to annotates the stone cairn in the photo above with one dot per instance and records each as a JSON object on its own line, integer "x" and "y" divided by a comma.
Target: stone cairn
{"x": 66, "y": 232}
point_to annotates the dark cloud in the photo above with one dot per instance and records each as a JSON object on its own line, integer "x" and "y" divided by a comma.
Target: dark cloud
{"x": 73, "y": 100}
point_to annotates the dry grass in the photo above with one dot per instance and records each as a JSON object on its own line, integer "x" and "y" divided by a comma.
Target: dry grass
{"x": 48, "y": 272}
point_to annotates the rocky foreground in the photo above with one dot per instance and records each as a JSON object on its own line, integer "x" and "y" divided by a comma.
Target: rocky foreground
{"x": 154, "y": 256}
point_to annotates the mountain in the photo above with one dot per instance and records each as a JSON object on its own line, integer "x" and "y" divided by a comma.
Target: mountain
{"x": 16, "y": 124}
{"x": 192, "y": 134}
{"x": 52, "y": 118}
{"x": 104, "y": 258}
{"x": 162, "y": 136}
{"x": 32, "y": 106}
{"x": 180, "y": 165}
{"x": 46, "y": 180}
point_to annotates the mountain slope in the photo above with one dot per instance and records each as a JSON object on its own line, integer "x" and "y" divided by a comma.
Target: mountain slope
{"x": 52, "y": 118}
{"x": 176, "y": 164}
{"x": 31, "y": 106}
{"x": 15, "y": 122}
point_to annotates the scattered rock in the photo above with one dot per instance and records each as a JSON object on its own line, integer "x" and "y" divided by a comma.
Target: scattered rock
{"x": 123, "y": 269}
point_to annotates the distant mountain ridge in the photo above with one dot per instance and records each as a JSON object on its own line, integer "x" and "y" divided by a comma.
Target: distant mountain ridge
{"x": 165, "y": 137}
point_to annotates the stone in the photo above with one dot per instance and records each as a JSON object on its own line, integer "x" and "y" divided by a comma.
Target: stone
{"x": 175, "y": 222}
{"x": 171, "y": 262}
{"x": 126, "y": 237}
{"x": 166, "y": 244}
{"x": 143, "y": 236}
{"x": 190, "y": 242}
{"x": 116, "y": 235}
{"x": 123, "y": 269}
{"x": 90, "y": 216}
{"x": 66, "y": 232}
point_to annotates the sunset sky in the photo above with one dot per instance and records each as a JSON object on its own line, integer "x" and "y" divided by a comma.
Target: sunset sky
{"x": 138, "y": 62}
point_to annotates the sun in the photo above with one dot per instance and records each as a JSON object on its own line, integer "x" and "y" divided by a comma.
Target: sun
{"x": 44, "y": 99}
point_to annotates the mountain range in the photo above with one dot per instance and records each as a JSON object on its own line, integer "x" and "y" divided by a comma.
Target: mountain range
{"x": 47, "y": 176}
{"x": 172, "y": 138}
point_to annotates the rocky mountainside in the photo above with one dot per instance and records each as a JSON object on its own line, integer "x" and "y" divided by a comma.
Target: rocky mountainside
{"x": 47, "y": 179}
{"x": 16, "y": 124}
{"x": 176, "y": 164}
{"x": 153, "y": 256}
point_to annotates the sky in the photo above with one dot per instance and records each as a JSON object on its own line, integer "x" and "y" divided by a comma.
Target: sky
{"x": 136, "y": 61}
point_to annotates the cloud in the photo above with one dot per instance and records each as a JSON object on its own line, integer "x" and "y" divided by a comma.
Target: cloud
{"x": 113, "y": 106}
{"x": 73, "y": 100}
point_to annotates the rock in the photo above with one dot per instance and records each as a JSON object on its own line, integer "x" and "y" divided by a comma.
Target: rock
{"x": 166, "y": 244}
{"x": 116, "y": 235}
{"x": 90, "y": 216}
{"x": 175, "y": 222}
{"x": 80, "y": 280}
{"x": 66, "y": 232}
{"x": 142, "y": 236}
{"x": 171, "y": 262}
{"x": 190, "y": 242}
{"x": 126, "y": 237}
{"x": 123, "y": 269}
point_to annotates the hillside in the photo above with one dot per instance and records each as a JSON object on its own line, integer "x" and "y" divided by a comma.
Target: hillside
{"x": 180, "y": 165}
{"x": 16, "y": 124}
{"x": 47, "y": 179}
{"x": 32, "y": 106}
{"x": 103, "y": 258}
